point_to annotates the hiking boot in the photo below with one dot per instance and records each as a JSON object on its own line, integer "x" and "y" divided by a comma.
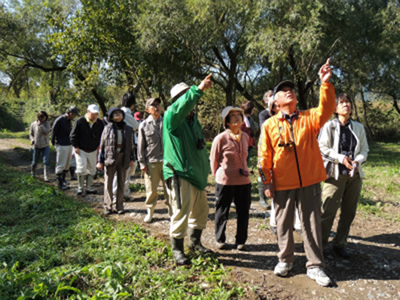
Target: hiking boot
{"x": 342, "y": 252}
{"x": 283, "y": 268}
{"x": 149, "y": 217}
{"x": 61, "y": 185}
{"x": 319, "y": 276}
{"x": 121, "y": 212}
{"x": 177, "y": 250}
{"x": 195, "y": 241}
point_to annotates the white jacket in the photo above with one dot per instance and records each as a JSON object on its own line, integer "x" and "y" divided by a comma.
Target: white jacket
{"x": 329, "y": 145}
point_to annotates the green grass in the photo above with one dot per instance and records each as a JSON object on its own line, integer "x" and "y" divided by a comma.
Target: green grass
{"x": 381, "y": 185}
{"x": 54, "y": 247}
{"x": 23, "y": 135}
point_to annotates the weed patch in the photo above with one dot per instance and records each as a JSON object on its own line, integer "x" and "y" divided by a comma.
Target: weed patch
{"x": 52, "y": 246}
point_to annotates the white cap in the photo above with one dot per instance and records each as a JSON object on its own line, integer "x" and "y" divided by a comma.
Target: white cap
{"x": 177, "y": 89}
{"x": 93, "y": 108}
{"x": 228, "y": 109}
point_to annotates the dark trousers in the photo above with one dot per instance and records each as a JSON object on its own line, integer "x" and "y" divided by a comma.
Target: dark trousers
{"x": 241, "y": 195}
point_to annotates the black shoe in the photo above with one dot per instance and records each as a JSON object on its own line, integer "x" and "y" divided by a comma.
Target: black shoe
{"x": 121, "y": 212}
{"x": 342, "y": 252}
{"x": 91, "y": 192}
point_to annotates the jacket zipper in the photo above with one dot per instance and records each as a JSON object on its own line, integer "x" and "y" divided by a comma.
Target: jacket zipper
{"x": 295, "y": 154}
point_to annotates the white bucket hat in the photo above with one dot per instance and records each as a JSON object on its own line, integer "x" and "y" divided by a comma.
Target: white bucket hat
{"x": 227, "y": 110}
{"x": 93, "y": 108}
{"x": 177, "y": 89}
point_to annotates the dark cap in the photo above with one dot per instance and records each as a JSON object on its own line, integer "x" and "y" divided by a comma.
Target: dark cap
{"x": 283, "y": 84}
{"x": 152, "y": 101}
{"x": 73, "y": 110}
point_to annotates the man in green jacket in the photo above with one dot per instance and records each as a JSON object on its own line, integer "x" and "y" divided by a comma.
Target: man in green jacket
{"x": 186, "y": 168}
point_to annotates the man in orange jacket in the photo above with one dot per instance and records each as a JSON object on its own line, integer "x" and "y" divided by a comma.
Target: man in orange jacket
{"x": 291, "y": 168}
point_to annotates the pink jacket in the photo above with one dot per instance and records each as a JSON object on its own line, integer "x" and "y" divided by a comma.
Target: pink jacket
{"x": 227, "y": 157}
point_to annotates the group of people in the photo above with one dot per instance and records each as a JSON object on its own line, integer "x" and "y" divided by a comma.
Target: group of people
{"x": 297, "y": 150}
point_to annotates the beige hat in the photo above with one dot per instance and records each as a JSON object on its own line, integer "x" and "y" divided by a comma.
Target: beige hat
{"x": 227, "y": 110}
{"x": 177, "y": 89}
{"x": 151, "y": 102}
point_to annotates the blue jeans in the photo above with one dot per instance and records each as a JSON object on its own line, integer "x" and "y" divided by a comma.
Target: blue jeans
{"x": 36, "y": 154}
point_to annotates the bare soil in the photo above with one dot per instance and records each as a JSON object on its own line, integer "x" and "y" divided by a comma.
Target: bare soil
{"x": 372, "y": 272}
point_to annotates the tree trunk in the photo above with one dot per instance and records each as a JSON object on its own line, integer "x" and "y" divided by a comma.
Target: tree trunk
{"x": 369, "y": 131}
{"x": 395, "y": 105}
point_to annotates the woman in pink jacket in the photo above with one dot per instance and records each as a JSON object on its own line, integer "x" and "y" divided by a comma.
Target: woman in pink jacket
{"x": 229, "y": 167}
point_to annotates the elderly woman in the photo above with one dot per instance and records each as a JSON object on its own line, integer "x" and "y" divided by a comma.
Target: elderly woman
{"x": 229, "y": 167}
{"x": 39, "y": 136}
{"x": 344, "y": 148}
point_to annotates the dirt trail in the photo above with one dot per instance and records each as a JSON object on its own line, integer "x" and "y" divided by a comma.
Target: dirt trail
{"x": 373, "y": 272}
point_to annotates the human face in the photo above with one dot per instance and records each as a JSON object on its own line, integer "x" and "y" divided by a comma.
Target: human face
{"x": 117, "y": 116}
{"x": 286, "y": 99}
{"x": 155, "y": 110}
{"x": 344, "y": 108}
{"x": 92, "y": 116}
{"x": 235, "y": 120}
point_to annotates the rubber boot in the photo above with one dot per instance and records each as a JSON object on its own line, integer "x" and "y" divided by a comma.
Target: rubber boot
{"x": 89, "y": 183}
{"x": 61, "y": 184}
{"x": 177, "y": 250}
{"x": 81, "y": 179}
{"x": 263, "y": 198}
{"x": 33, "y": 171}
{"x": 72, "y": 173}
{"x": 195, "y": 241}
{"x": 45, "y": 173}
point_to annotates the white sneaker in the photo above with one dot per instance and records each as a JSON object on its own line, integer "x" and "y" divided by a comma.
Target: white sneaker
{"x": 319, "y": 276}
{"x": 283, "y": 268}
{"x": 149, "y": 216}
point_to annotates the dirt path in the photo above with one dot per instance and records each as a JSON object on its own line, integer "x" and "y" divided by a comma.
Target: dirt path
{"x": 373, "y": 272}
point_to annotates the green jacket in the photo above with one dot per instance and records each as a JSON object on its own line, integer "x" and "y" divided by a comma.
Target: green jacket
{"x": 181, "y": 139}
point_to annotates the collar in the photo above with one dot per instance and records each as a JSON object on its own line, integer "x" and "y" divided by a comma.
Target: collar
{"x": 236, "y": 137}
{"x": 88, "y": 120}
{"x": 282, "y": 115}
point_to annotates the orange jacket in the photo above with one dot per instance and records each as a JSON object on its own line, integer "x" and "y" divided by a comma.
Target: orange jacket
{"x": 289, "y": 160}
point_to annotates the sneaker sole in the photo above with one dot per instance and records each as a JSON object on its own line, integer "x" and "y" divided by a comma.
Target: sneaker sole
{"x": 324, "y": 284}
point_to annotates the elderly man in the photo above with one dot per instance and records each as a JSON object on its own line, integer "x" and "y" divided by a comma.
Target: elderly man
{"x": 150, "y": 155}
{"x": 291, "y": 166}
{"x": 85, "y": 138}
{"x": 60, "y": 139}
{"x": 186, "y": 168}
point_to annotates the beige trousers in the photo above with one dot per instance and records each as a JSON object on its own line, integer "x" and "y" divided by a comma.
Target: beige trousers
{"x": 194, "y": 208}
{"x": 63, "y": 158}
{"x": 151, "y": 180}
{"x": 308, "y": 202}
{"x": 86, "y": 162}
